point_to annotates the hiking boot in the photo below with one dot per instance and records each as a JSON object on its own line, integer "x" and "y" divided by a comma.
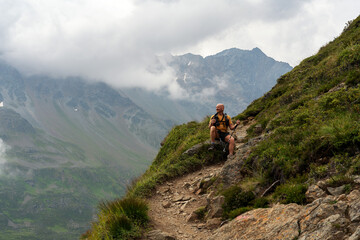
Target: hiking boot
{"x": 212, "y": 147}
{"x": 230, "y": 157}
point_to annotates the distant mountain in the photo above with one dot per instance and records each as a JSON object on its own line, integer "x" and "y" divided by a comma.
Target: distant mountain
{"x": 234, "y": 77}
{"x": 69, "y": 143}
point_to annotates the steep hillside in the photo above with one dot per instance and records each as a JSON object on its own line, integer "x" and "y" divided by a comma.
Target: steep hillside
{"x": 311, "y": 116}
{"x": 306, "y": 136}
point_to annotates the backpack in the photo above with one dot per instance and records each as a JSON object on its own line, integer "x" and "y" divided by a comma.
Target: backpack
{"x": 217, "y": 123}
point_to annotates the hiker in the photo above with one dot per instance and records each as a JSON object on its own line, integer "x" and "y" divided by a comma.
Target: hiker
{"x": 218, "y": 125}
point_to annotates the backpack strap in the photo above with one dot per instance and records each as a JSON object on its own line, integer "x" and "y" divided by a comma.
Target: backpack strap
{"x": 226, "y": 120}
{"x": 218, "y": 122}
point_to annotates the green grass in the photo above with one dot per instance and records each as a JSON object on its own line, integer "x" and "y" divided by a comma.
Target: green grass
{"x": 119, "y": 219}
{"x": 312, "y": 113}
{"x": 291, "y": 193}
{"x": 171, "y": 162}
{"x": 239, "y": 201}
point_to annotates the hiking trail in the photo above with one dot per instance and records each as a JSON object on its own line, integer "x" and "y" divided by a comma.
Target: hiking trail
{"x": 172, "y": 206}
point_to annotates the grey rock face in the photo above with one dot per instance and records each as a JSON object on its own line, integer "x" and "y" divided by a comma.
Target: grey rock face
{"x": 231, "y": 171}
{"x": 336, "y": 191}
{"x": 330, "y": 217}
{"x": 314, "y": 192}
{"x": 215, "y": 207}
{"x": 237, "y": 76}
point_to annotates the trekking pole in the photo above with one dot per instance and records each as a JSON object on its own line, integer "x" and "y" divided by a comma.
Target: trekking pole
{"x": 236, "y": 125}
{"x": 224, "y": 150}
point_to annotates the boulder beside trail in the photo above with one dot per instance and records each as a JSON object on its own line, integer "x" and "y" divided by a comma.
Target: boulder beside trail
{"x": 330, "y": 217}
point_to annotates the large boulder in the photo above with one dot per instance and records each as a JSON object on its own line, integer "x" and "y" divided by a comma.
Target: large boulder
{"x": 279, "y": 222}
{"x": 231, "y": 172}
{"x": 330, "y": 217}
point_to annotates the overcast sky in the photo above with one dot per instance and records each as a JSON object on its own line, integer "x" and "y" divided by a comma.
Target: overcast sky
{"x": 117, "y": 40}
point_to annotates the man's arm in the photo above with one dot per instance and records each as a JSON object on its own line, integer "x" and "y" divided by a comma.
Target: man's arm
{"x": 212, "y": 122}
{"x": 233, "y": 126}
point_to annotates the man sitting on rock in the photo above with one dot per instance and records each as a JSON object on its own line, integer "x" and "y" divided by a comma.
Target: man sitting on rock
{"x": 219, "y": 124}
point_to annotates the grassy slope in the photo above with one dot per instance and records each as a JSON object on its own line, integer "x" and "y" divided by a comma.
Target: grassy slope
{"x": 311, "y": 119}
{"x": 312, "y": 113}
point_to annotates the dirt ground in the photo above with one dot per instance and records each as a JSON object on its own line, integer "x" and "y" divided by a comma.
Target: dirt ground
{"x": 175, "y": 201}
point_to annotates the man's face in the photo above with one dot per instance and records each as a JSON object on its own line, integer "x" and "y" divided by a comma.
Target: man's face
{"x": 219, "y": 108}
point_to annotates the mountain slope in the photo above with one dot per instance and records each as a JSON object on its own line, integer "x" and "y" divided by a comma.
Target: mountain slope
{"x": 307, "y": 131}
{"x": 66, "y": 144}
{"x": 313, "y": 111}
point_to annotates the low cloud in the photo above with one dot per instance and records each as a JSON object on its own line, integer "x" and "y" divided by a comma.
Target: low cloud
{"x": 3, "y": 149}
{"x": 118, "y": 41}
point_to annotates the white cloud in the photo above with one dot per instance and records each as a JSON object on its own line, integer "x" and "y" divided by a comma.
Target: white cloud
{"x": 117, "y": 41}
{"x": 3, "y": 149}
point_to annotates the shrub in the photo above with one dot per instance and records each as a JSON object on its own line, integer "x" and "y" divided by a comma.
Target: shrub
{"x": 318, "y": 172}
{"x": 236, "y": 198}
{"x": 291, "y": 193}
{"x": 339, "y": 180}
{"x": 353, "y": 78}
{"x": 234, "y": 213}
{"x": 348, "y": 188}
{"x": 201, "y": 212}
{"x": 261, "y": 202}
{"x": 355, "y": 168}
{"x": 238, "y": 201}
{"x": 119, "y": 219}
{"x": 119, "y": 226}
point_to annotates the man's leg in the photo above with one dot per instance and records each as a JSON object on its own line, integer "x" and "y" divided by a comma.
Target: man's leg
{"x": 231, "y": 142}
{"x": 213, "y": 135}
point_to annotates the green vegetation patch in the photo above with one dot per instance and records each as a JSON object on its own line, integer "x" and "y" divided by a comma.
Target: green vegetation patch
{"x": 312, "y": 113}
{"x": 291, "y": 193}
{"x": 238, "y": 201}
{"x": 171, "y": 160}
{"x": 119, "y": 219}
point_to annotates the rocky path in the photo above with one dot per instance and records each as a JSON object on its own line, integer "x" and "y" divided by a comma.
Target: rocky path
{"x": 173, "y": 207}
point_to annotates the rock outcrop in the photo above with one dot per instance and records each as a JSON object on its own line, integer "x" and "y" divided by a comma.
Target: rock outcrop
{"x": 231, "y": 172}
{"x": 330, "y": 217}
